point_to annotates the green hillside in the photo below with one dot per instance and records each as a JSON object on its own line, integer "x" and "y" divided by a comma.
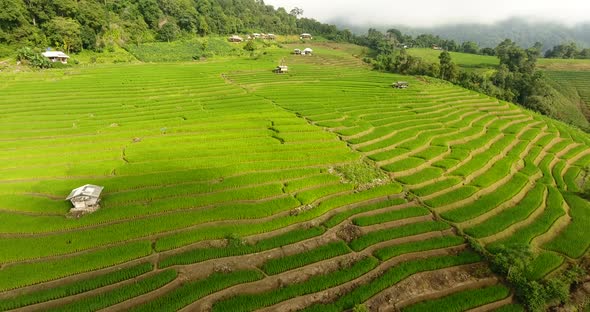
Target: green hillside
{"x": 566, "y": 76}
{"x": 579, "y": 80}
{"x": 94, "y": 25}
{"x": 231, "y": 188}
{"x": 464, "y": 60}
{"x": 483, "y": 62}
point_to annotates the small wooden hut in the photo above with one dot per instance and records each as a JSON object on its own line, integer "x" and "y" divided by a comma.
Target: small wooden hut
{"x": 86, "y": 198}
{"x": 400, "y": 85}
{"x": 281, "y": 69}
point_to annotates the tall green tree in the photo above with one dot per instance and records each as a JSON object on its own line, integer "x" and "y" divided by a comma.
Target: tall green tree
{"x": 150, "y": 11}
{"x": 394, "y": 35}
{"x": 448, "y": 69}
{"x": 168, "y": 32}
{"x": 13, "y": 15}
{"x": 64, "y": 33}
{"x": 470, "y": 47}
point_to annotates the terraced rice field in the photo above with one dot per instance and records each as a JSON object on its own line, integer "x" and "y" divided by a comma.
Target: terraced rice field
{"x": 465, "y": 60}
{"x": 579, "y": 80}
{"x": 222, "y": 190}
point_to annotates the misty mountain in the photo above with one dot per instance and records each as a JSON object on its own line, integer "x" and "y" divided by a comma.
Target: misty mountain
{"x": 523, "y": 31}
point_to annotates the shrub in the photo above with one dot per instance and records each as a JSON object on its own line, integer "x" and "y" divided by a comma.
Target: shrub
{"x": 32, "y": 58}
{"x": 361, "y": 175}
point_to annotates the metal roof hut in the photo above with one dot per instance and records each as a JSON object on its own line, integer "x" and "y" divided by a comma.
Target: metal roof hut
{"x": 305, "y": 36}
{"x": 85, "y": 198}
{"x": 56, "y": 56}
{"x": 400, "y": 85}
{"x": 307, "y": 51}
{"x": 235, "y": 38}
{"x": 297, "y": 51}
{"x": 281, "y": 69}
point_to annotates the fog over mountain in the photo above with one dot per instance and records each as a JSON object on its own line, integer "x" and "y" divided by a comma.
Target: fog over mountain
{"x": 485, "y": 22}
{"x": 523, "y": 31}
{"x": 426, "y": 13}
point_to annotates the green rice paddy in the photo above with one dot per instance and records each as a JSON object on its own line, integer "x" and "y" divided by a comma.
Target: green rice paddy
{"x": 222, "y": 187}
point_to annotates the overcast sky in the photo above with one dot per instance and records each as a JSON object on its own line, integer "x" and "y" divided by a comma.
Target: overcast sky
{"x": 432, "y": 12}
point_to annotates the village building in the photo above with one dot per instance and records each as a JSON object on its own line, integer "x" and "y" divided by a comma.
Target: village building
{"x": 56, "y": 56}
{"x": 435, "y": 47}
{"x": 256, "y": 35}
{"x": 400, "y": 85}
{"x": 85, "y": 198}
{"x": 307, "y": 51}
{"x": 297, "y": 51}
{"x": 305, "y": 36}
{"x": 270, "y": 37}
{"x": 235, "y": 38}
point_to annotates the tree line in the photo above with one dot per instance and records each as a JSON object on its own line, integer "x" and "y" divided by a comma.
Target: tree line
{"x": 74, "y": 25}
{"x": 374, "y": 37}
{"x": 568, "y": 51}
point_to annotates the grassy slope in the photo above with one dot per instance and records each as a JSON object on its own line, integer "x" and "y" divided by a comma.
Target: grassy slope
{"x": 179, "y": 146}
{"x": 467, "y": 61}
{"x": 464, "y": 60}
{"x": 570, "y": 75}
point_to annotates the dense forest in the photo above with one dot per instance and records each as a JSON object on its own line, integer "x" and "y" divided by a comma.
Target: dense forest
{"x": 73, "y": 25}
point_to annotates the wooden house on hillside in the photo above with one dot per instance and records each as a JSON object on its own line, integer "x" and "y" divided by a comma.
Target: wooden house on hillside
{"x": 56, "y": 56}
{"x": 86, "y": 198}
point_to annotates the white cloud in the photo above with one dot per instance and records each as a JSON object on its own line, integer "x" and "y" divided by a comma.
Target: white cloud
{"x": 432, "y": 12}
